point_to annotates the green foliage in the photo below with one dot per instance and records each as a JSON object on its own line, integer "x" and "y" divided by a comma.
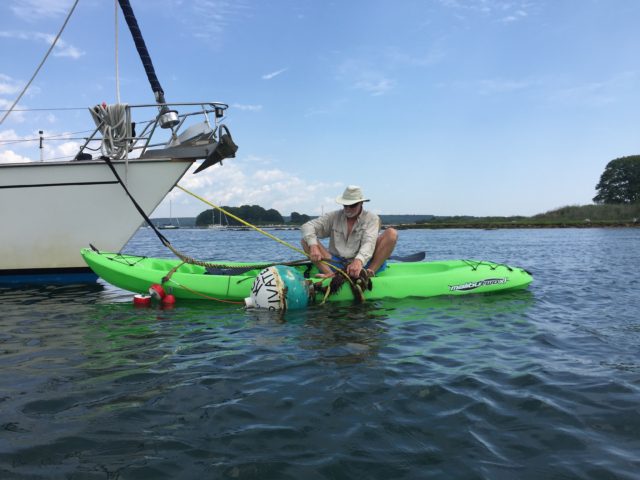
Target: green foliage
{"x": 620, "y": 181}
{"x": 210, "y": 217}
{"x": 470, "y": 220}
{"x": 570, "y": 216}
{"x": 396, "y": 219}
{"x": 595, "y": 213}
{"x": 250, "y": 213}
{"x": 299, "y": 219}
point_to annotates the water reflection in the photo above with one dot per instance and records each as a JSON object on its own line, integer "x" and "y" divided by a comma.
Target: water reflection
{"x": 337, "y": 333}
{"x": 509, "y": 385}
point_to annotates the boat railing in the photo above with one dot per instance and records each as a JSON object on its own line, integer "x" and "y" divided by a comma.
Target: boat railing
{"x": 195, "y": 134}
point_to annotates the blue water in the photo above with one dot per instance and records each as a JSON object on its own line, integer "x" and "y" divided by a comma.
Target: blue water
{"x": 543, "y": 383}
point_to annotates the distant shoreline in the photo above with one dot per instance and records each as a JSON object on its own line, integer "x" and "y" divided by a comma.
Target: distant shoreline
{"x": 497, "y": 226}
{"x": 576, "y": 216}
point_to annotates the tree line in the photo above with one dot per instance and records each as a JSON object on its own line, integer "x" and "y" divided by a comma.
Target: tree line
{"x": 619, "y": 185}
{"x": 251, "y": 213}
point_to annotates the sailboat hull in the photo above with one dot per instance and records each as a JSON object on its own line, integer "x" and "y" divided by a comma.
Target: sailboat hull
{"x": 51, "y": 210}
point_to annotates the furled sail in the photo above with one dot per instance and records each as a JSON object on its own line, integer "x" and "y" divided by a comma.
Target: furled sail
{"x": 141, "y": 47}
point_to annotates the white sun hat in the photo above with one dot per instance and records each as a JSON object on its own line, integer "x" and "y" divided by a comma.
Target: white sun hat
{"x": 351, "y": 195}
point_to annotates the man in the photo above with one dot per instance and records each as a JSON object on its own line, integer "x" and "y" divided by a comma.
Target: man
{"x": 353, "y": 237}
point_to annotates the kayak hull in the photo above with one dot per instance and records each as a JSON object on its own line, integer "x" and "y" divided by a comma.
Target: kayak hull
{"x": 399, "y": 280}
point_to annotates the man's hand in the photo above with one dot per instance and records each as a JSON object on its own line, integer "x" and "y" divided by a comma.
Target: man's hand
{"x": 314, "y": 253}
{"x": 354, "y": 268}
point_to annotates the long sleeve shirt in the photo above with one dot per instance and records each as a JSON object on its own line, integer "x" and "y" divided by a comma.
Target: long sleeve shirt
{"x": 359, "y": 244}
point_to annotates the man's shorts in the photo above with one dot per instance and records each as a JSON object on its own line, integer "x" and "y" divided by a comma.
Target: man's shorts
{"x": 341, "y": 263}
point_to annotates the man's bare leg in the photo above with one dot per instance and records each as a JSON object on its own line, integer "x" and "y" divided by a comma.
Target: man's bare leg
{"x": 324, "y": 268}
{"x": 384, "y": 248}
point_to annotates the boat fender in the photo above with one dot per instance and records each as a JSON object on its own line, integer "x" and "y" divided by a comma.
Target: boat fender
{"x": 170, "y": 299}
{"x": 157, "y": 292}
{"x": 279, "y": 288}
{"x": 141, "y": 300}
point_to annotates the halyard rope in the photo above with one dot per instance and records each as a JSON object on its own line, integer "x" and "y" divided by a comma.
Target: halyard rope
{"x": 229, "y": 214}
{"x": 258, "y": 229}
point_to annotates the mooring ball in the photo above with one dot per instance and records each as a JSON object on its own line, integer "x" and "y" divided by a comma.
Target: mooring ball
{"x": 157, "y": 292}
{"x": 169, "y": 300}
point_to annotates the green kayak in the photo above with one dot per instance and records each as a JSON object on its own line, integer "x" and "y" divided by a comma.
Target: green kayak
{"x": 399, "y": 280}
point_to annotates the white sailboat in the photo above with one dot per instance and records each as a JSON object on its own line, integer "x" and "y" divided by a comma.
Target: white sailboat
{"x": 50, "y": 210}
{"x": 218, "y": 226}
{"x": 170, "y": 225}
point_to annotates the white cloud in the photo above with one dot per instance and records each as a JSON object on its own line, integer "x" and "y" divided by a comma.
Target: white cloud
{"x": 495, "y": 86}
{"x": 8, "y": 86}
{"x": 67, "y": 149}
{"x": 361, "y": 76}
{"x": 374, "y": 84}
{"x": 62, "y": 48}
{"x": 559, "y": 89}
{"x": 11, "y": 139}
{"x": 248, "y": 108}
{"x": 427, "y": 58}
{"x": 239, "y": 182}
{"x": 9, "y": 136}
{"x": 209, "y": 19}
{"x": 500, "y": 10}
{"x": 594, "y": 94}
{"x": 9, "y": 156}
{"x": 515, "y": 16}
{"x": 34, "y": 9}
{"x": 56, "y": 146}
{"x": 269, "y": 76}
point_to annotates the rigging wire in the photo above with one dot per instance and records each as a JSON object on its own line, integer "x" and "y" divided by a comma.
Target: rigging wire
{"x": 115, "y": 4}
{"x": 53, "y": 44}
{"x": 57, "y": 137}
{"x": 52, "y": 109}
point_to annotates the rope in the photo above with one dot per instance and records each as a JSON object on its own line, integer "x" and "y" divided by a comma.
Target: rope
{"x": 187, "y": 259}
{"x": 246, "y": 266}
{"x": 492, "y": 266}
{"x": 114, "y": 121}
{"x": 244, "y": 222}
{"x": 204, "y": 295}
{"x": 123, "y": 259}
{"x": 115, "y": 4}
{"x": 258, "y": 229}
{"x": 53, "y": 44}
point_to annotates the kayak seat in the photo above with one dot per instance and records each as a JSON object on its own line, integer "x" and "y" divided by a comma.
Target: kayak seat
{"x": 227, "y": 270}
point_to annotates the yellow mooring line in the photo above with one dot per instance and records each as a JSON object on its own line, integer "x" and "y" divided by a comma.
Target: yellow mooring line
{"x": 258, "y": 229}
{"x": 244, "y": 222}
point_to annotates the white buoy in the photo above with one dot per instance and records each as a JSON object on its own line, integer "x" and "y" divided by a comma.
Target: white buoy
{"x": 278, "y": 288}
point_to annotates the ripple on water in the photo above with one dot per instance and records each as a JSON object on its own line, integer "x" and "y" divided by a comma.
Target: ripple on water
{"x": 536, "y": 384}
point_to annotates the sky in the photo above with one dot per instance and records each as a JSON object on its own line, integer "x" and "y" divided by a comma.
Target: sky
{"x": 443, "y": 107}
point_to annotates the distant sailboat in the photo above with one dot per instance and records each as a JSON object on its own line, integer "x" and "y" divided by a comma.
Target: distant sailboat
{"x": 170, "y": 225}
{"x": 218, "y": 226}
